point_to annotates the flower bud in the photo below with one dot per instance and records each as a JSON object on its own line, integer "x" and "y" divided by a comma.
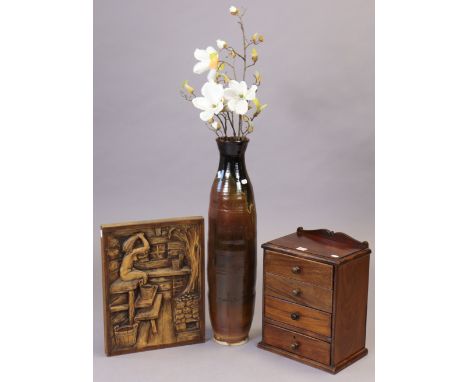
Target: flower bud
{"x": 258, "y": 78}
{"x": 226, "y": 79}
{"x": 215, "y": 125}
{"x": 255, "y": 38}
{"x": 221, "y": 44}
{"x": 233, "y": 10}
{"x": 261, "y": 38}
{"x": 256, "y": 101}
{"x": 259, "y": 107}
{"x": 254, "y": 55}
{"x": 187, "y": 87}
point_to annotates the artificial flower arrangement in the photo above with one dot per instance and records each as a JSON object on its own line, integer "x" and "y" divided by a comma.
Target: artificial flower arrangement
{"x": 229, "y": 106}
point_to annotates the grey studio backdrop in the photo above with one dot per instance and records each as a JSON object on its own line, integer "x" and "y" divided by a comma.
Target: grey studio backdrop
{"x": 310, "y": 158}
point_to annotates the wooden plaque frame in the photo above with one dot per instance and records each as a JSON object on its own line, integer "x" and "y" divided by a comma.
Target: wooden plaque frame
{"x": 153, "y": 284}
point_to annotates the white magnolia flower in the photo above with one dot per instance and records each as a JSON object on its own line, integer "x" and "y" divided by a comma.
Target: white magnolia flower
{"x": 233, "y": 10}
{"x": 215, "y": 126}
{"x": 221, "y": 44}
{"x": 208, "y": 61}
{"x": 212, "y": 101}
{"x": 237, "y": 96}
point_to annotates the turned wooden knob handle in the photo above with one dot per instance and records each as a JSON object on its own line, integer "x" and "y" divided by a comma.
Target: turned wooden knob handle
{"x": 295, "y": 316}
{"x": 296, "y": 292}
{"x": 294, "y": 346}
{"x": 296, "y": 269}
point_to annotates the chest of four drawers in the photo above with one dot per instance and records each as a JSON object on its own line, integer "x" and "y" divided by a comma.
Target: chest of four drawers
{"x": 315, "y": 298}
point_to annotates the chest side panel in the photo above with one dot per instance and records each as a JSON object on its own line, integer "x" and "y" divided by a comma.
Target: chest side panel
{"x": 351, "y": 307}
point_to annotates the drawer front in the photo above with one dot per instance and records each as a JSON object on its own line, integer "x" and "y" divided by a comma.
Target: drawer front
{"x": 296, "y": 343}
{"x": 298, "y": 316}
{"x": 298, "y": 292}
{"x": 299, "y": 269}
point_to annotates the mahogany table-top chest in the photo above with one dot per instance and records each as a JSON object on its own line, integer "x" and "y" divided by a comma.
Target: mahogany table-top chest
{"x": 315, "y": 298}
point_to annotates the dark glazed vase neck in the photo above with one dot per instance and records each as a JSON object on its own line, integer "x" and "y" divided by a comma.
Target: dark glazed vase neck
{"x": 232, "y": 148}
{"x": 232, "y": 155}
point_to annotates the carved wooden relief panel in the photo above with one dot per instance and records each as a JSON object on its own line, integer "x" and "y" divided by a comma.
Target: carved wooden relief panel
{"x": 153, "y": 284}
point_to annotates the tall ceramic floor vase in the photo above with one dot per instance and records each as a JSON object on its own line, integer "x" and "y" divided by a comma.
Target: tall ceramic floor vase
{"x": 232, "y": 246}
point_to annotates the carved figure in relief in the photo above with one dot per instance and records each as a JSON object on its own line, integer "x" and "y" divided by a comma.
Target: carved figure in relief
{"x": 127, "y": 272}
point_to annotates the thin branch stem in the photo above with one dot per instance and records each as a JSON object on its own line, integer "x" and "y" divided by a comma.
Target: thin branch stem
{"x": 232, "y": 66}
{"x": 222, "y": 124}
{"x": 237, "y": 53}
{"x": 225, "y": 62}
{"x": 228, "y": 114}
{"x": 244, "y": 45}
{"x": 225, "y": 116}
{"x": 187, "y": 97}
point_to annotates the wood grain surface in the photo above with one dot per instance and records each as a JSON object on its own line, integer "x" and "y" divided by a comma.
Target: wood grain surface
{"x": 297, "y": 343}
{"x": 298, "y": 292}
{"x": 309, "y": 271}
{"x": 310, "y": 319}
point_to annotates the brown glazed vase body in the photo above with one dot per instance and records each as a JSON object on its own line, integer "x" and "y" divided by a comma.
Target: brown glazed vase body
{"x": 232, "y": 246}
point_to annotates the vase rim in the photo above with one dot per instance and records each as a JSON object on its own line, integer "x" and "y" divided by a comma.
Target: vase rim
{"x": 232, "y": 139}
